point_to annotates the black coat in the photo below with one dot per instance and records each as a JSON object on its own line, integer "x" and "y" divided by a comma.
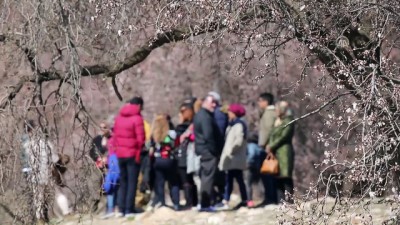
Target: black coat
{"x": 97, "y": 150}
{"x": 207, "y": 136}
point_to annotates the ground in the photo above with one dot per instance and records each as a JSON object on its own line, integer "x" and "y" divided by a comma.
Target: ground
{"x": 377, "y": 213}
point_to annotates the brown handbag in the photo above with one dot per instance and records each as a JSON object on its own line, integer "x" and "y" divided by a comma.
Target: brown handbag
{"x": 270, "y": 165}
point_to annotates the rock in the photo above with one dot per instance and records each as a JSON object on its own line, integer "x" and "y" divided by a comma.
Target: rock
{"x": 254, "y": 212}
{"x": 243, "y": 210}
{"x": 235, "y": 198}
{"x": 271, "y": 207}
{"x": 216, "y": 218}
{"x": 163, "y": 214}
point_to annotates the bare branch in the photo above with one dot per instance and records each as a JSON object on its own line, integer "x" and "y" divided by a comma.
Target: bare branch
{"x": 319, "y": 108}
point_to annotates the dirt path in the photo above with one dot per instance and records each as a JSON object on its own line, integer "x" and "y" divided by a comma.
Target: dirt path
{"x": 166, "y": 216}
{"x": 376, "y": 214}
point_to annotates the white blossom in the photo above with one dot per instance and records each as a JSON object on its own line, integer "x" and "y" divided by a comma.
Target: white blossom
{"x": 372, "y": 194}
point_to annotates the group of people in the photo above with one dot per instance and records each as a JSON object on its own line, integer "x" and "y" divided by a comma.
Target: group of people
{"x": 209, "y": 148}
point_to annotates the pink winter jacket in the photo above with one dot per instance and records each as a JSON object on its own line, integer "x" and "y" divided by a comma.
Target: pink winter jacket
{"x": 129, "y": 135}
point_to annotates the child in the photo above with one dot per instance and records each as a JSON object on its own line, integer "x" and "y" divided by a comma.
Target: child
{"x": 254, "y": 161}
{"x": 111, "y": 182}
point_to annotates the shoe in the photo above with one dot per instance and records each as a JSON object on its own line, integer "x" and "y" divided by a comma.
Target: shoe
{"x": 107, "y": 216}
{"x": 250, "y": 204}
{"x": 176, "y": 207}
{"x": 130, "y": 215}
{"x": 208, "y": 209}
{"x": 222, "y": 206}
{"x": 149, "y": 208}
{"x": 119, "y": 215}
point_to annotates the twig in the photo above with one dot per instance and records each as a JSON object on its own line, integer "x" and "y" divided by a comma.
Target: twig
{"x": 319, "y": 108}
{"x": 114, "y": 84}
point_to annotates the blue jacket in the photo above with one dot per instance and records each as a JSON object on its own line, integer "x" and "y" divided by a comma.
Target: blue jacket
{"x": 112, "y": 177}
{"x": 221, "y": 119}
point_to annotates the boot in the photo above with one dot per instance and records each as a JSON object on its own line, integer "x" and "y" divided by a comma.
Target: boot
{"x": 195, "y": 195}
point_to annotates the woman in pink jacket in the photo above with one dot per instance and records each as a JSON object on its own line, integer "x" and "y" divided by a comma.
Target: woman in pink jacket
{"x": 129, "y": 138}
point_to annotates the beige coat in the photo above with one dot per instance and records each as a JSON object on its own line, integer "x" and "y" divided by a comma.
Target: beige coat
{"x": 266, "y": 124}
{"x": 234, "y": 152}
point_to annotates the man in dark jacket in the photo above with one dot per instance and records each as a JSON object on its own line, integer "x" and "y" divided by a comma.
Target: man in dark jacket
{"x": 221, "y": 119}
{"x": 206, "y": 145}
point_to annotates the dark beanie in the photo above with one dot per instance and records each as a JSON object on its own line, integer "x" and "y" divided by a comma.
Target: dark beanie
{"x": 136, "y": 101}
{"x": 191, "y": 101}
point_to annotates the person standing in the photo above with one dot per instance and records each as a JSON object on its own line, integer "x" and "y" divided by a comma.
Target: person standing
{"x": 111, "y": 183}
{"x": 185, "y": 154}
{"x": 129, "y": 138}
{"x": 98, "y": 150}
{"x": 233, "y": 158}
{"x": 280, "y": 145}
{"x": 207, "y": 147}
{"x": 254, "y": 162}
{"x": 165, "y": 168}
{"x": 221, "y": 119}
{"x": 268, "y": 116}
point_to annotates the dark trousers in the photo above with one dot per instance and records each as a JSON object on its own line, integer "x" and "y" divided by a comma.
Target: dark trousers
{"x": 208, "y": 168}
{"x": 270, "y": 188}
{"x": 238, "y": 176}
{"x": 147, "y": 169}
{"x": 166, "y": 171}
{"x": 219, "y": 185}
{"x": 285, "y": 185}
{"x": 129, "y": 174}
{"x": 270, "y": 191}
{"x": 253, "y": 177}
{"x": 189, "y": 187}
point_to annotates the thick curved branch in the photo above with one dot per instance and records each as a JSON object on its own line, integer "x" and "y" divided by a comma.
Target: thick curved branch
{"x": 111, "y": 70}
{"x": 138, "y": 56}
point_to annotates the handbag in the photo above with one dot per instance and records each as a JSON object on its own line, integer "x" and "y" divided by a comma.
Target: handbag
{"x": 270, "y": 165}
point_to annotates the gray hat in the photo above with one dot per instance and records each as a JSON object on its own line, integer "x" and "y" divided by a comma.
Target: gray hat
{"x": 215, "y": 95}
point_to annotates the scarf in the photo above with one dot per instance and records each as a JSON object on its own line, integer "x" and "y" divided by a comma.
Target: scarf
{"x": 238, "y": 120}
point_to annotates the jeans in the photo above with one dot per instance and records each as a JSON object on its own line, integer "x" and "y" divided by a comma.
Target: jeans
{"x": 253, "y": 177}
{"x": 129, "y": 174}
{"x": 229, "y": 176}
{"x": 208, "y": 169}
{"x": 254, "y": 154}
{"x": 166, "y": 171}
{"x": 110, "y": 203}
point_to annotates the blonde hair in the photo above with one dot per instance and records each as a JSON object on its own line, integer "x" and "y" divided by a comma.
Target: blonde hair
{"x": 159, "y": 128}
{"x": 197, "y": 105}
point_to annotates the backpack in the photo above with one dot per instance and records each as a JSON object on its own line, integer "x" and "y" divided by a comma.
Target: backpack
{"x": 165, "y": 149}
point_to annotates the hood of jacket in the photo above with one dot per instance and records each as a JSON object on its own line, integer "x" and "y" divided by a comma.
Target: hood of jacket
{"x": 129, "y": 110}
